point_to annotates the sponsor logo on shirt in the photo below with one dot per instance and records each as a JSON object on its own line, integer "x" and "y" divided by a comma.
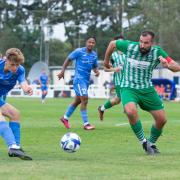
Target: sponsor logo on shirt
{"x": 138, "y": 64}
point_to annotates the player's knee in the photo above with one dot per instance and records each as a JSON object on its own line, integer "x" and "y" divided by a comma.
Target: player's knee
{"x": 76, "y": 102}
{"x": 85, "y": 102}
{"x": 15, "y": 115}
{"x": 117, "y": 101}
{"x": 163, "y": 121}
{"x": 45, "y": 92}
{"x": 131, "y": 112}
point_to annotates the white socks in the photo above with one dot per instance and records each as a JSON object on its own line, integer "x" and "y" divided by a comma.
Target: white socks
{"x": 14, "y": 146}
{"x": 102, "y": 108}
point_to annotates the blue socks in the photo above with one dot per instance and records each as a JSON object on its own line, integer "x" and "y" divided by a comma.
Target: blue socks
{"x": 7, "y": 133}
{"x": 15, "y": 127}
{"x": 84, "y": 117}
{"x": 43, "y": 96}
{"x": 69, "y": 111}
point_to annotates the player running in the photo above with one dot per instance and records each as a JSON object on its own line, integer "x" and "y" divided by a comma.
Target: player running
{"x": 44, "y": 81}
{"x": 117, "y": 61}
{"x": 86, "y": 60}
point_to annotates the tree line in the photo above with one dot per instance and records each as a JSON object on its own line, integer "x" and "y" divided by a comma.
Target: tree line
{"x": 22, "y": 23}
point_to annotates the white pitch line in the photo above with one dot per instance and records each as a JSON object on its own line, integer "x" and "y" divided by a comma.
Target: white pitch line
{"x": 124, "y": 124}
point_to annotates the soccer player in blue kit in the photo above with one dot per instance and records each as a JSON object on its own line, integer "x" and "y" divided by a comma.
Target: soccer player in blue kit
{"x": 11, "y": 71}
{"x": 86, "y": 60}
{"x": 44, "y": 81}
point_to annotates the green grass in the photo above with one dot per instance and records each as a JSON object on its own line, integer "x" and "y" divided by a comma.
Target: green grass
{"x": 109, "y": 152}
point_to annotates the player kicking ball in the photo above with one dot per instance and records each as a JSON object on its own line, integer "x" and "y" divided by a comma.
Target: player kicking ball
{"x": 11, "y": 71}
{"x": 136, "y": 87}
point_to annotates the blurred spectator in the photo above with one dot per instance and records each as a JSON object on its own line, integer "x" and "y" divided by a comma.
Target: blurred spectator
{"x": 157, "y": 88}
{"x": 164, "y": 91}
{"x": 106, "y": 84}
{"x": 36, "y": 81}
{"x": 91, "y": 82}
{"x": 110, "y": 86}
{"x": 71, "y": 82}
{"x": 160, "y": 90}
{"x": 167, "y": 92}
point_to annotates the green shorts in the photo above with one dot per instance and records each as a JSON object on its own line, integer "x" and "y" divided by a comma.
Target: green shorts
{"x": 118, "y": 91}
{"x": 147, "y": 99}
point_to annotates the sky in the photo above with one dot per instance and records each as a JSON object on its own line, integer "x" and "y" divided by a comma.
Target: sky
{"x": 59, "y": 32}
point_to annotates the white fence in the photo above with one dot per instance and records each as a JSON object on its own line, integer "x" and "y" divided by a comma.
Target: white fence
{"x": 61, "y": 91}
{"x": 67, "y": 91}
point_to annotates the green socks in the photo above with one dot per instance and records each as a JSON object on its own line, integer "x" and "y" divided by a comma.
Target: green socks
{"x": 107, "y": 104}
{"x": 155, "y": 133}
{"x": 138, "y": 130}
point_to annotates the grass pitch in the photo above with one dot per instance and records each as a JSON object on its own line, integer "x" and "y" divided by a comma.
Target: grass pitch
{"x": 109, "y": 152}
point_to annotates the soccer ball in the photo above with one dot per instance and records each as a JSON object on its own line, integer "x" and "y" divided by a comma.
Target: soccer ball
{"x": 70, "y": 142}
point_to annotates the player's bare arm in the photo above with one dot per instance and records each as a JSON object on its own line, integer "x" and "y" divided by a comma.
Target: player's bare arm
{"x": 61, "y": 74}
{"x": 169, "y": 64}
{"x": 111, "y": 69}
{"x": 96, "y": 72}
{"x": 108, "y": 53}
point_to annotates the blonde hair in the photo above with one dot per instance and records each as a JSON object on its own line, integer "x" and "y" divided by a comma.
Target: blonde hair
{"x": 14, "y": 54}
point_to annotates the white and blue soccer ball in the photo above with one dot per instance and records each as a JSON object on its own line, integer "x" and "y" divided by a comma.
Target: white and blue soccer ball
{"x": 70, "y": 142}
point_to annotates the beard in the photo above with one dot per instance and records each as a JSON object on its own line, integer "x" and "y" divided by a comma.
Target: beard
{"x": 144, "y": 51}
{"x": 89, "y": 48}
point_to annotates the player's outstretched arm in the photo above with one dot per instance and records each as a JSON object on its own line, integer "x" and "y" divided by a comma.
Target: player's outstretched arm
{"x": 61, "y": 74}
{"x": 169, "y": 64}
{"x": 26, "y": 88}
{"x": 174, "y": 66}
{"x": 108, "y": 53}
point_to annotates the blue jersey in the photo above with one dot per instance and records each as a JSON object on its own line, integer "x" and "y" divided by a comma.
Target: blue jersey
{"x": 44, "y": 79}
{"x": 44, "y": 82}
{"x": 8, "y": 79}
{"x": 85, "y": 62}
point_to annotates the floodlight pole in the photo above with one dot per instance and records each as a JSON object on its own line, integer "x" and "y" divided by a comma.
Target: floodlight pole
{"x": 41, "y": 41}
{"x": 47, "y": 38}
{"x": 122, "y": 30}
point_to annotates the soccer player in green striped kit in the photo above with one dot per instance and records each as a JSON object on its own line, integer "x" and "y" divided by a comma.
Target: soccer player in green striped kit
{"x": 137, "y": 88}
{"x": 117, "y": 61}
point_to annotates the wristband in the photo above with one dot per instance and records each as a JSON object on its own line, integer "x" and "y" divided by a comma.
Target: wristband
{"x": 168, "y": 59}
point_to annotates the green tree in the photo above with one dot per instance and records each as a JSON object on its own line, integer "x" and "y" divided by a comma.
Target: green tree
{"x": 58, "y": 52}
{"x": 21, "y": 24}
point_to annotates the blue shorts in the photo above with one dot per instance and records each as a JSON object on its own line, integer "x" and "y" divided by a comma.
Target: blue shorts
{"x": 80, "y": 87}
{"x": 2, "y": 100}
{"x": 44, "y": 88}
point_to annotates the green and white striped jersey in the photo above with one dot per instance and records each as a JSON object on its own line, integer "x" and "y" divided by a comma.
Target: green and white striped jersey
{"x": 117, "y": 60}
{"x": 138, "y": 67}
